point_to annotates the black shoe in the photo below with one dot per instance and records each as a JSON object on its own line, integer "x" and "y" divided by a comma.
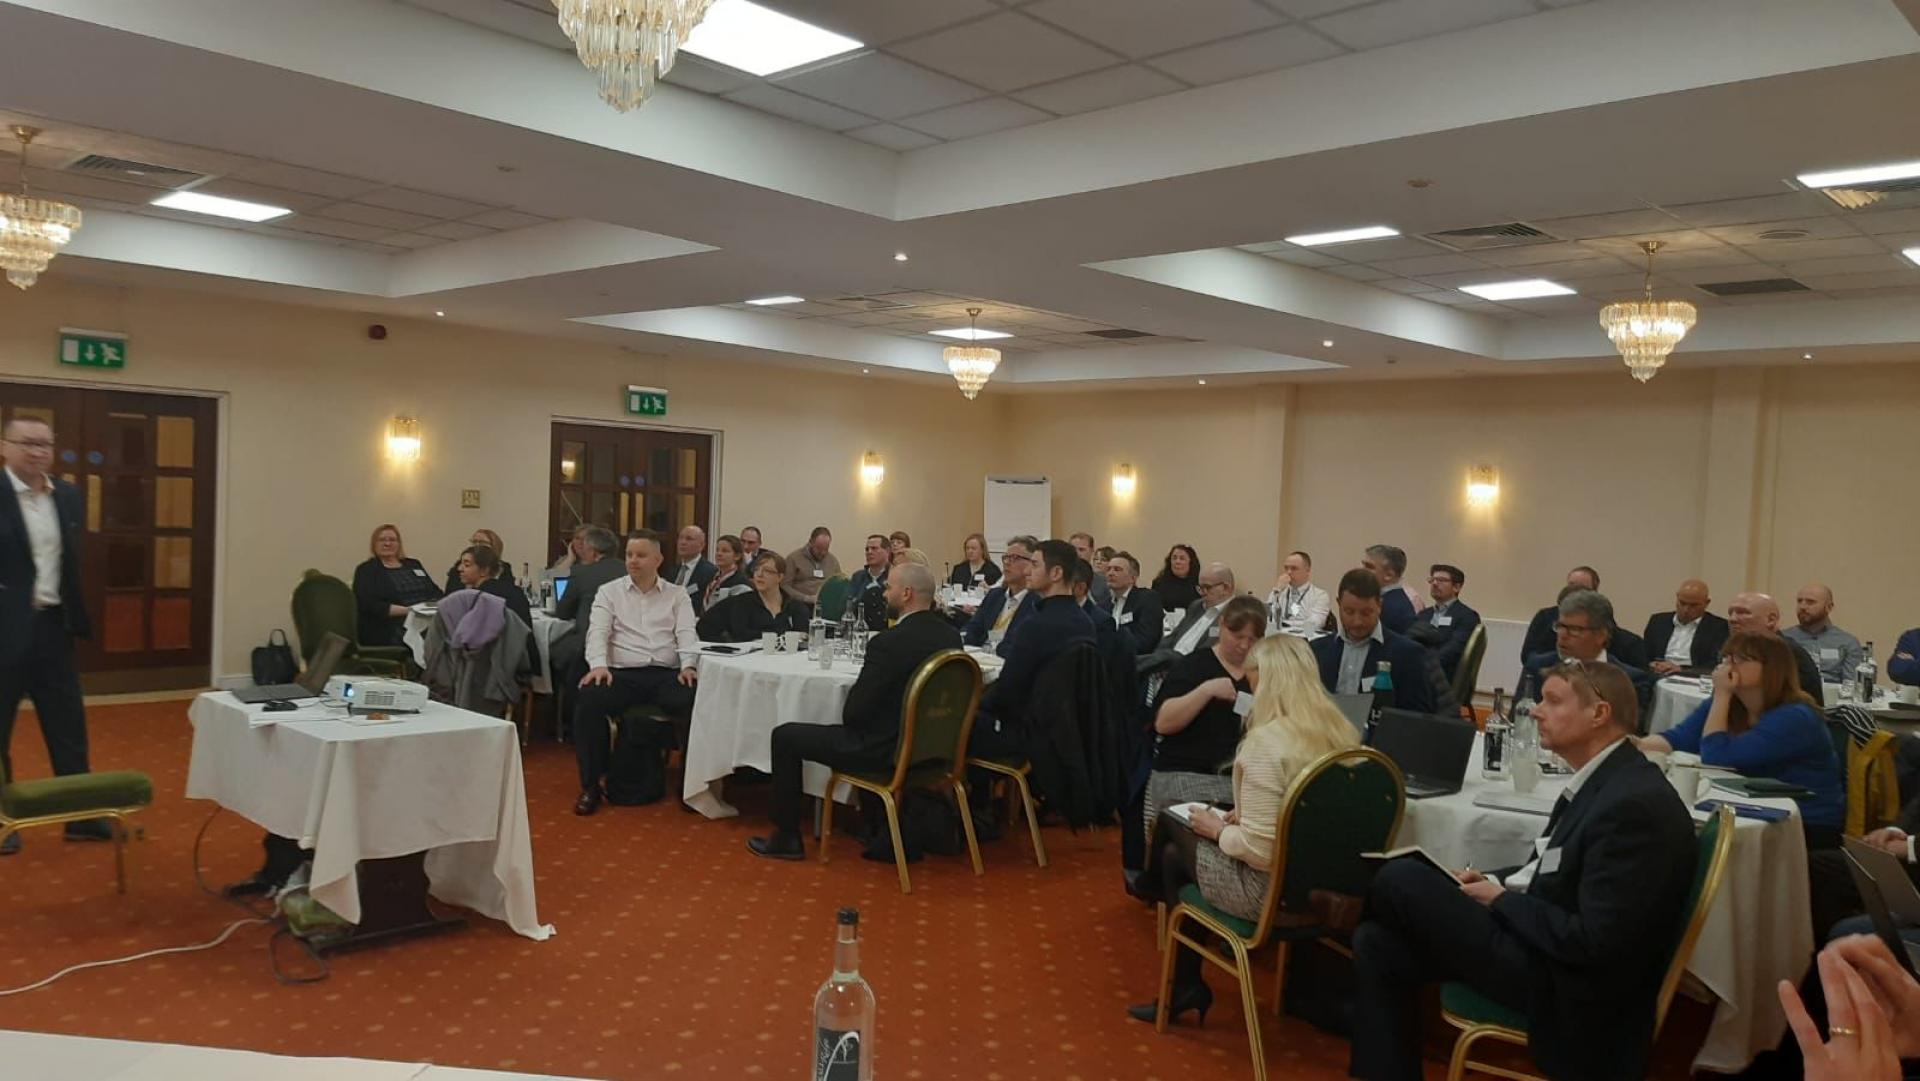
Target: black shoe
{"x": 777, "y": 846}
{"x": 93, "y": 829}
{"x": 259, "y": 885}
{"x": 588, "y": 802}
{"x": 1139, "y": 887}
{"x": 11, "y": 845}
{"x": 1196, "y": 996}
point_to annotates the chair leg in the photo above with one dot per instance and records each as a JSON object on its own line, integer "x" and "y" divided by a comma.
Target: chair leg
{"x": 1033, "y": 819}
{"x": 1457, "y": 1064}
{"x": 966, "y": 824}
{"x": 826, "y": 814}
{"x": 899, "y": 848}
{"x": 1243, "y": 968}
{"x": 119, "y": 828}
{"x": 1280, "y": 979}
{"x": 1165, "y": 991}
{"x": 1160, "y": 924}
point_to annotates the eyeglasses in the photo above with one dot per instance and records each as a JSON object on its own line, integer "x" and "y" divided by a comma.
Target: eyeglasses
{"x": 1211, "y": 586}
{"x": 1437, "y": 579}
{"x": 30, "y": 444}
{"x": 1568, "y": 628}
{"x": 1012, "y": 558}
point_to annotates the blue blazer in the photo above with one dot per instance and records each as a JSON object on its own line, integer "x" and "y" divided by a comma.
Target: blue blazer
{"x": 17, "y": 571}
{"x": 1411, "y": 690}
{"x": 1396, "y": 610}
{"x": 975, "y": 632}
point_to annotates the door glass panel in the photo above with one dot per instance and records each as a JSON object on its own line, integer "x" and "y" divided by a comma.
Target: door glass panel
{"x": 683, "y": 510}
{"x": 673, "y": 467}
{"x": 126, "y": 503}
{"x": 573, "y": 507}
{"x": 173, "y": 503}
{"x": 600, "y": 506}
{"x": 570, "y": 454}
{"x": 127, "y": 563}
{"x": 173, "y": 439}
{"x": 600, "y": 469}
{"x": 124, "y": 623}
{"x": 126, "y": 441}
{"x": 172, "y": 563}
{"x": 34, "y": 412}
{"x": 173, "y": 623}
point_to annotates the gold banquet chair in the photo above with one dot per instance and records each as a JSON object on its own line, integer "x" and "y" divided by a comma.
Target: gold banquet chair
{"x": 53, "y": 801}
{"x": 1480, "y": 1018}
{"x": 932, "y": 752}
{"x": 1344, "y": 803}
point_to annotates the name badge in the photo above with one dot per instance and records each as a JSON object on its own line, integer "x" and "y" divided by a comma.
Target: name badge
{"x": 818, "y": 573}
{"x": 1443, "y": 621}
{"x": 1549, "y": 861}
{"x": 978, "y": 578}
{"x": 1125, "y": 619}
{"x": 1830, "y": 656}
{"x": 419, "y": 572}
{"x": 1242, "y": 703}
{"x": 1293, "y": 610}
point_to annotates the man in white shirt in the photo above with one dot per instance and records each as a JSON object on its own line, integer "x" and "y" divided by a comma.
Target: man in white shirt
{"x": 640, "y": 651}
{"x": 1295, "y": 605}
{"x": 1200, "y": 627}
{"x": 1687, "y": 637}
{"x": 692, "y": 570}
{"x": 1834, "y": 650}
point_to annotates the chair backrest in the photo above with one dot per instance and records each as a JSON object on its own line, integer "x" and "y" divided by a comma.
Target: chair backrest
{"x": 1709, "y": 867}
{"x": 322, "y": 604}
{"x": 1344, "y": 803}
{"x": 1467, "y": 673}
{"x": 832, "y": 602}
{"x": 938, "y": 713}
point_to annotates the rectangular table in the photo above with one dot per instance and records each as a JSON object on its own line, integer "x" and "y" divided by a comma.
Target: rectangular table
{"x": 446, "y": 782}
{"x": 1759, "y": 929}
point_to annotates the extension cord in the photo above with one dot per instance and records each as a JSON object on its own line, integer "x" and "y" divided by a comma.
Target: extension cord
{"x": 222, "y": 937}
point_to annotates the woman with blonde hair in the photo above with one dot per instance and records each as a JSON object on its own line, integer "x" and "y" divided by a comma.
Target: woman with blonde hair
{"x": 1289, "y": 724}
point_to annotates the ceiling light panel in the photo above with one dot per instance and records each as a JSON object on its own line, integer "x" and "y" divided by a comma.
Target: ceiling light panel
{"x": 972, "y": 334}
{"x": 220, "y": 207}
{"x": 743, "y": 35}
{"x": 1521, "y": 289}
{"x": 1866, "y": 174}
{"x": 765, "y": 301}
{"x": 1343, "y": 236}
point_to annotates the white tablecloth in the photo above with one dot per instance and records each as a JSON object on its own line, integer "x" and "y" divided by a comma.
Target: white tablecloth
{"x": 1677, "y": 696}
{"x": 446, "y": 782}
{"x": 1759, "y": 929}
{"x": 545, "y": 630}
{"x": 740, "y": 702}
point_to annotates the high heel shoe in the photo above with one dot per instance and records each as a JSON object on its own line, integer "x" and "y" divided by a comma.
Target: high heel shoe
{"x": 1196, "y": 996}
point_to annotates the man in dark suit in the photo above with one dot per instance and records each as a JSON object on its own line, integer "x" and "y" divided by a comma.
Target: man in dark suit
{"x": 1584, "y": 632}
{"x": 1757, "y": 613}
{"x": 1540, "y": 636}
{"x": 870, "y": 722}
{"x": 598, "y": 564}
{"x": 1445, "y": 627}
{"x": 41, "y": 608}
{"x": 1687, "y": 637}
{"x": 692, "y": 570}
{"x": 993, "y": 623}
{"x": 1577, "y": 939}
{"x": 1135, "y": 612}
{"x": 1057, "y": 623}
{"x": 1397, "y": 607}
{"x": 1350, "y": 660}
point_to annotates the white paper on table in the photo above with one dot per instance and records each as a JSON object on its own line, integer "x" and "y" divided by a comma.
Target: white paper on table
{"x": 263, "y": 719}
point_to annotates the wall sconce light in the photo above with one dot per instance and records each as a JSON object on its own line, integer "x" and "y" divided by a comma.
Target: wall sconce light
{"x": 403, "y": 439}
{"x": 1123, "y": 479}
{"x": 1483, "y": 486}
{"x": 872, "y": 469}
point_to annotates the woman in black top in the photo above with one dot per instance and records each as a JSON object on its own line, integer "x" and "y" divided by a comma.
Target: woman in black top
{"x": 488, "y": 539}
{"x": 976, "y": 571}
{"x": 1178, "y": 582}
{"x": 744, "y": 617}
{"x": 1196, "y": 722}
{"x": 730, "y": 577}
{"x": 479, "y": 568}
{"x": 386, "y": 585}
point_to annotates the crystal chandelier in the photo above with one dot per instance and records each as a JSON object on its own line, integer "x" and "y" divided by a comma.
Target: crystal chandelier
{"x": 32, "y": 231}
{"x": 1646, "y": 330}
{"x": 629, "y": 44}
{"x": 971, "y": 365}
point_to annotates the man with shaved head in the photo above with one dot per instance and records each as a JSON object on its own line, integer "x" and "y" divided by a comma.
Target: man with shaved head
{"x": 1757, "y": 613}
{"x": 692, "y": 570}
{"x": 1687, "y": 637}
{"x": 1834, "y": 650}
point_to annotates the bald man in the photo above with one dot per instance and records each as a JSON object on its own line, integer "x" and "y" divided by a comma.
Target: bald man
{"x": 1757, "y": 613}
{"x": 691, "y": 569}
{"x": 1689, "y": 637}
{"x": 1834, "y": 650}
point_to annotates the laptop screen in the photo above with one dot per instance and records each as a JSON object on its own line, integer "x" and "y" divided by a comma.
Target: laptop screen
{"x": 1430, "y": 748}
{"x": 560, "y": 587}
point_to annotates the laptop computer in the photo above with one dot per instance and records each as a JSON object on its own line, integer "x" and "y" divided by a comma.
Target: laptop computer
{"x": 560, "y": 587}
{"x": 1356, "y": 708}
{"x": 1889, "y": 896}
{"x": 1431, "y": 750}
{"x": 312, "y": 683}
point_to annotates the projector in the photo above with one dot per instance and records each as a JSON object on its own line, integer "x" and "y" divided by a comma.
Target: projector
{"x": 387, "y": 695}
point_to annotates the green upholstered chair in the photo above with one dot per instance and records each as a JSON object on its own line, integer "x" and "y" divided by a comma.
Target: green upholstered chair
{"x": 832, "y": 602}
{"x": 932, "y": 751}
{"x": 1480, "y": 1018}
{"x": 323, "y": 603}
{"x": 53, "y": 801}
{"x": 1467, "y": 673}
{"x": 1344, "y": 803}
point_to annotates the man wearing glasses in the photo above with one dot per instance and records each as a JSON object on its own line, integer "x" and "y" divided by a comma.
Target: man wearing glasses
{"x": 41, "y": 611}
{"x": 1198, "y": 630}
{"x": 1445, "y": 627}
{"x": 1582, "y": 633}
{"x": 1009, "y": 602}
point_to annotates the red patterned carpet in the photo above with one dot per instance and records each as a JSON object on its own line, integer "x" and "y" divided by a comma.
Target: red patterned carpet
{"x": 678, "y": 954}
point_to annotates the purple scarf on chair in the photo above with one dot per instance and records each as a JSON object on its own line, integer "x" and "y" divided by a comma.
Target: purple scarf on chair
{"x": 472, "y": 619}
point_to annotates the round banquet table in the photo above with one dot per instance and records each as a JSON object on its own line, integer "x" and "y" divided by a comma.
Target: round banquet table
{"x": 1677, "y": 696}
{"x": 1759, "y": 929}
{"x": 741, "y": 700}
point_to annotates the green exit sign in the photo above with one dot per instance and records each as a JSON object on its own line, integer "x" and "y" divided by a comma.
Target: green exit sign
{"x": 647, "y": 401}
{"x": 93, "y": 348}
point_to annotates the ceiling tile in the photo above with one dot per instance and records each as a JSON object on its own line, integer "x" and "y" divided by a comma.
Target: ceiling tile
{"x": 1395, "y": 21}
{"x": 976, "y": 118}
{"x": 1005, "y": 52}
{"x": 411, "y": 240}
{"x": 1145, "y": 27}
{"x": 1821, "y": 228}
{"x": 1393, "y": 247}
{"x": 1426, "y": 265}
{"x": 1100, "y": 90}
{"x": 1529, "y": 254}
{"x": 345, "y": 230}
{"x": 1359, "y": 273}
{"x": 1743, "y": 271}
{"x": 1673, "y": 242}
{"x": 1881, "y": 279}
{"x": 772, "y": 99}
{"x": 1405, "y": 285}
{"x": 508, "y": 219}
{"x": 420, "y": 202}
{"x": 1237, "y": 58}
{"x": 1794, "y": 204}
{"x": 456, "y": 230}
{"x": 705, "y": 76}
{"x": 1800, "y": 250}
{"x": 1618, "y": 223}
{"x": 1312, "y": 9}
{"x": 1716, "y": 255}
{"x": 1561, "y": 305}
{"x": 312, "y": 181}
{"x": 887, "y": 21}
{"x": 1807, "y": 269}
{"x": 391, "y": 220}
{"x": 1287, "y": 253}
{"x": 892, "y": 136}
{"x": 1886, "y": 221}
{"x": 881, "y": 85}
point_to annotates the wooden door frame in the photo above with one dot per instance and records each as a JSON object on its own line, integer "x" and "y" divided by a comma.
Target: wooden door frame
{"x": 713, "y": 480}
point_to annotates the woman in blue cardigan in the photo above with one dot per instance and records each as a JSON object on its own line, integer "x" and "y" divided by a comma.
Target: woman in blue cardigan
{"x": 1761, "y": 723}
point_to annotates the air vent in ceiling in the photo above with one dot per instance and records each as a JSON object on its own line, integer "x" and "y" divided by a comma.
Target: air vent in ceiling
{"x": 1860, "y": 196}
{"x": 1510, "y": 234}
{"x": 134, "y": 172}
{"x": 1756, "y": 287}
{"x": 1117, "y": 334}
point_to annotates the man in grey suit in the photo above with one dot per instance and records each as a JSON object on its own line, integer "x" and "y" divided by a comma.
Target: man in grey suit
{"x": 599, "y": 565}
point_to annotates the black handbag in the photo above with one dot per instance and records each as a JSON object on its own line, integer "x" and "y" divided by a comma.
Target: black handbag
{"x": 637, "y": 769}
{"x": 273, "y": 663}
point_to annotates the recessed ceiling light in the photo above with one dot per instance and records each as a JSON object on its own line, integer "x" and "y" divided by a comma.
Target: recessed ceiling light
{"x": 1866, "y": 174}
{"x": 1202, "y": 382}
{"x": 1913, "y": 254}
{"x": 866, "y": 371}
{"x": 1517, "y": 290}
{"x": 441, "y": 314}
{"x": 1806, "y": 356}
{"x": 899, "y": 257}
{"x": 220, "y": 207}
{"x": 761, "y": 41}
{"x": 972, "y": 334}
{"x": 1342, "y": 236}
{"x": 764, "y": 301}
{"x": 1327, "y": 343}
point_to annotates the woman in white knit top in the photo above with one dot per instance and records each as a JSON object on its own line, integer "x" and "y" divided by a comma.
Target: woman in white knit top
{"x": 1291, "y": 723}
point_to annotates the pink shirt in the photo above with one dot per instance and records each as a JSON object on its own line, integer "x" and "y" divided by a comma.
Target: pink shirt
{"x": 632, "y": 627}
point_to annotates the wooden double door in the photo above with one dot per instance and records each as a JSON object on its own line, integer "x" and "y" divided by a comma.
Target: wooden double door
{"x": 145, "y": 465}
{"x": 627, "y": 479}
